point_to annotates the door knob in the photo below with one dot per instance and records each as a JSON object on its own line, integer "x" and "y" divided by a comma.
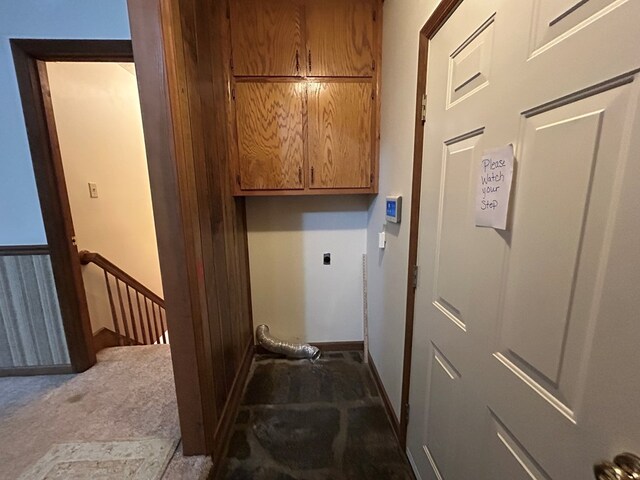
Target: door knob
{"x": 609, "y": 471}
{"x": 630, "y": 464}
{"x": 625, "y": 466}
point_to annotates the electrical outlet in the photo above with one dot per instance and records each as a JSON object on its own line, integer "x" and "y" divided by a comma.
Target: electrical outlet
{"x": 93, "y": 190}
{"x": 326, "y": 259}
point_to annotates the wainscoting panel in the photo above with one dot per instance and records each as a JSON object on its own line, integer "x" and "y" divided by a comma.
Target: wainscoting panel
{"x": 31, "y": 331}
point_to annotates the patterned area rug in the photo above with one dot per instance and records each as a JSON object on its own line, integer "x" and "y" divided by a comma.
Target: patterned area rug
{"x": 144, "y": 459}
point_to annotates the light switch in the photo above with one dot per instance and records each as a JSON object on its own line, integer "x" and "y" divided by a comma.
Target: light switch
{"x": 93, "y": 190}
{"x": 382, "y": 240}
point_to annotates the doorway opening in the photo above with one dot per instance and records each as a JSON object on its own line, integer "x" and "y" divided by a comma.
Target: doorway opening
{"x": 85, "y": 133}
{"x": 82, "y": 113}
{"x": 187, "y": 199}
{"x": 98, "y": 124}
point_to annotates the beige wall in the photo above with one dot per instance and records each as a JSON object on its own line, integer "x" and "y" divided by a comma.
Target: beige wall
{"x": 403, "y": 20}
{"x": 99, "y": 125}
{"x": 292, "y": 291}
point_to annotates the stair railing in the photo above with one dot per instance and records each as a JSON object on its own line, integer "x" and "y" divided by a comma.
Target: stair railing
{"x": 143, "y": 319}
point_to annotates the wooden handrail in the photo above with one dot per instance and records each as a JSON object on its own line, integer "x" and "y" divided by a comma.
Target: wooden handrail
{"x": 87, "y": 257}
{"x": 139, "y": 322}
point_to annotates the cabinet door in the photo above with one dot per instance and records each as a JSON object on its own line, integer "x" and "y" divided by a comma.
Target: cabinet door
{"x": 340, "y": 126}
{"x": 339, "y": 38}
{"x": 269, "y": 119}
{"x": 266, "y": 37}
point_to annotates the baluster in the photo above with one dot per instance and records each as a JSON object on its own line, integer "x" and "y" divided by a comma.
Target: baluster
{"x": 155, "y": 321}
{"x": 123, "y": 312}
{"x": 163, "y": 321}
{"x": 152, "y": 327}
{"x": 114, "y": 315}
{"x": 143, "y": 331}
{"x": 164, "y": 341}
{"x": 133, "y": 317}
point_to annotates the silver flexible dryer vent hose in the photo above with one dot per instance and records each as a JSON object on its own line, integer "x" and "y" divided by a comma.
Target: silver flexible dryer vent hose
{"x": 295, "y": 350}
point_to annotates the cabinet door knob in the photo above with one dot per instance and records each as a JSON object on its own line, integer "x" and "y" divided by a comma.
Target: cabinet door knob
{"x": 299, "y": 174}
{"x": 312, "y": 175}
{"x": 309, "y": 61}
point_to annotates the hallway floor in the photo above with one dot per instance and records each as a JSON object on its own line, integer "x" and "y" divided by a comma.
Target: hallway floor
{"x": 304, "y": 421}
{"x": 127, "y": 398}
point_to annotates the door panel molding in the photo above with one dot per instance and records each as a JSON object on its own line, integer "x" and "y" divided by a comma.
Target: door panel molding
{"x": 553, "y": 22}
{"x": 469, "y": 64}
{"x": 444, "y": 402}
{"x": 522, "y": 460}
{"x": 451, "y": 294}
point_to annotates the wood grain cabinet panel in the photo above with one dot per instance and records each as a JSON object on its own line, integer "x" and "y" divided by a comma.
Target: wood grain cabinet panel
{"x": 266, "y": 37}
{"x": 340, "y": 39}
{"x": 270, "y": 132}
{"x": 339, "y": 139}
{"x": 304, "y": 110}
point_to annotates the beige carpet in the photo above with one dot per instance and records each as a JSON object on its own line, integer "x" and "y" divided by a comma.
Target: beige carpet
{"x": 128, "y": 395}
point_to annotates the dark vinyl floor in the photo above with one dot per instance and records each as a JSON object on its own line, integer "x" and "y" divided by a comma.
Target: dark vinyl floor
{"x": 317, "y": 421}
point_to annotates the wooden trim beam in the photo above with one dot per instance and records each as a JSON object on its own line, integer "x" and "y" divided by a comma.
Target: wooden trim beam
{"x": 152, "y": 32}
{"x": 76, "y": 50}
{"x": 106, "y": 338}
{"x": 357, "y": 346}
{"x": 9, "y": 250}
{"x": 385, "y": 398}
{"x": 306, "y": 193}
{"x": 39, "y": 370}
{"x": 339, "y": 346}
{"x": 230, "y": 411}
{"x": 438, "y": 18}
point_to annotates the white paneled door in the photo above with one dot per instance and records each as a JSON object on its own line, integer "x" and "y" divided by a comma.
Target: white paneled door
{"x": 526, "y": 360}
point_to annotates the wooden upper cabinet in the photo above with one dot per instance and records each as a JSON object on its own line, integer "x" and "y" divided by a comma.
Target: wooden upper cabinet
{"x": 340, "y": 39}
{"x": 266, "y": 37}
{"x": 340, "y": 133}
{"x": 270, "y": 135}
{"x": 304, "y": 110}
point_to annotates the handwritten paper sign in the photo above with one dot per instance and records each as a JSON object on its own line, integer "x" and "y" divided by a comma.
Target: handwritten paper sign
{"x": 494, "y": 187}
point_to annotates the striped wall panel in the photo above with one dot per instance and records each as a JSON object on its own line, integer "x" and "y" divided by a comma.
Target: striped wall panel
{"x": 31, "y": 331}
